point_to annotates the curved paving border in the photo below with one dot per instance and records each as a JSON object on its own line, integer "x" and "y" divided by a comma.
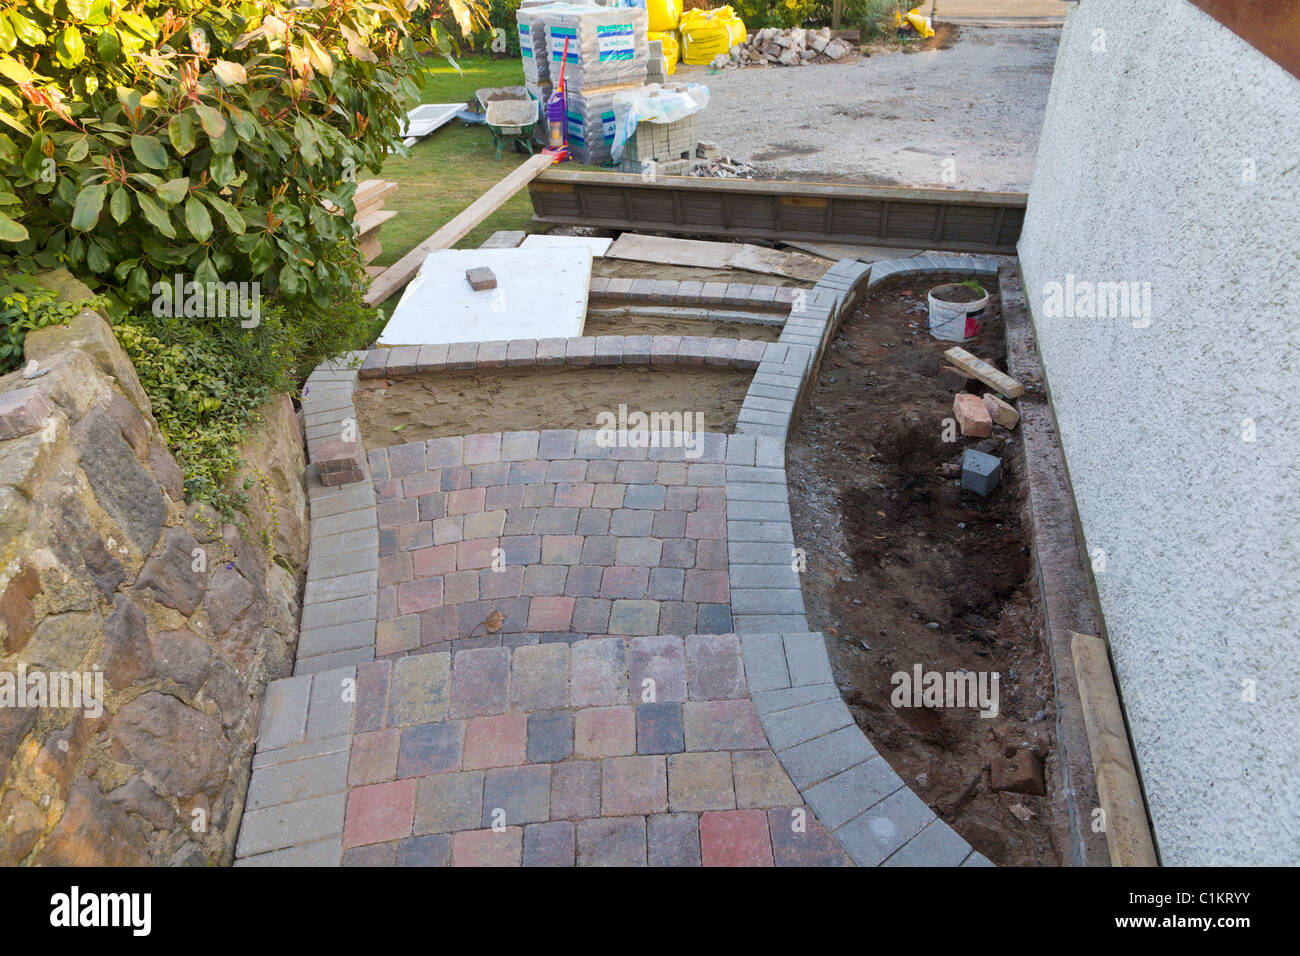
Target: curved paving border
{"x": 867, "y": 807}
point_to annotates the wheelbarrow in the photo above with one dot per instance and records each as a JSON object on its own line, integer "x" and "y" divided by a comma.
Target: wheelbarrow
{"x": 512, "y": 121}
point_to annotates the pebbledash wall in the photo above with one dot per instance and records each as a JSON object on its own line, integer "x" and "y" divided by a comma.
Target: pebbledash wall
{"x": 177, "y": 620}
{"x": 1168, "y": 157}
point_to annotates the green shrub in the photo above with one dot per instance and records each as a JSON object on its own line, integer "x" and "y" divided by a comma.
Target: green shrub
{"x": 755, "y": 14}
{"x": 26, "y": 305}
{"x": 206, "y": 383}
{"x": 150, "y": 137}
{"x": 501, "y": 15}
{"x": 791, "y": 13}
{"x": 874, "y": 18}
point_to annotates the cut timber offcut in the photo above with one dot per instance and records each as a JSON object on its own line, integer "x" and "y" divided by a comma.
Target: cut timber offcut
{"x": 1128, "y": 836}
{"x": 986, "y": 373}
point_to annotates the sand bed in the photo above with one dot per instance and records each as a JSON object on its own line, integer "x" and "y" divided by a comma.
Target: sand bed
{"x": 632, "y": 269}
{"x": 532, "y": 399}
{"x": 640, "y": 324}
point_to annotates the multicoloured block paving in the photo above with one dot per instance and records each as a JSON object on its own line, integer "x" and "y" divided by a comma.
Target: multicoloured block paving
{"x": 535, "y": 649}
{"x": 599, "y": 751}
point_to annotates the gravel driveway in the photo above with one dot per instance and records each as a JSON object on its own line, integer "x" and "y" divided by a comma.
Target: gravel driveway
{"x": 892, "y": 118}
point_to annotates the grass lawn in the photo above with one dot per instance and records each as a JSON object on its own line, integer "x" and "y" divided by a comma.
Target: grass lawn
{"x": 452, "y": 167}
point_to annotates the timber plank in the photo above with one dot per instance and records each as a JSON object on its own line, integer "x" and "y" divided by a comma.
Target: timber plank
{"x": 986, "y": 373}
{"x": 402, "y": 271}
{"x": 1128, "y": 835}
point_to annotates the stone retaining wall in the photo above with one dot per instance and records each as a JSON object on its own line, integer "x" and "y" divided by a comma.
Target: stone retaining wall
{"x": 178, "y": 619}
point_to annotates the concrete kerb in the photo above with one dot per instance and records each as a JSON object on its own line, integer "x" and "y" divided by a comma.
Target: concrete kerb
{"x": 340, "y": 602}
{"x": 868, "y": 808}
{"x": 297, "y": 792}
{"x": 584, "y": 350}
{"x": 737, "y": 295}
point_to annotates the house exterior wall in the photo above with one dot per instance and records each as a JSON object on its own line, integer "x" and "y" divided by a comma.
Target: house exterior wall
{"x": 1168, "y": 158}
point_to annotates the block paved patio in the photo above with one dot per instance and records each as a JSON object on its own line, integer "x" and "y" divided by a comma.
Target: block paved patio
{"x": 532, "y": 649}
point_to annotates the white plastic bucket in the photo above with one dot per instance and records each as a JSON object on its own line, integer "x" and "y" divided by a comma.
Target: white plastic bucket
{"x": 955, "y": 321}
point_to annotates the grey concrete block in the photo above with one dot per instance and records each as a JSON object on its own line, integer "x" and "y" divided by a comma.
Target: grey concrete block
{"x": 818, "y": 759}
{"x": 321, "y": 853}
{"x": 761, "y": 429}
{"x": 355, "y": 520}
{"x": 760, "y": 552}
{"x": 768, "y": 623}
{"x": 330, "y": 710}
{"x": 741, "y": 449}
{"x": 333, "y": 613}
{"x": 769, "y": 702}
{"x": 299, "y": 780}
{"x": 365, "y": 539}
{"x": 847, "y": 795}
{"x": 763, "y": 575}
{"x": 333, "y": 661}
{"x": 291, "y": 824}
{"x": 770, "y": 453}
{"x": 738, "y": 491}
{"x": 303, "y": 751}
{"x": 335, "y": 565}
{"x": 358, "y": 497}
{"x": 357, "y": 584}
{"x": 767, "y": 601}
{"x": 766, "y": 511}
{"x": 341, "y": 637}
{"x": 980, "y": 473}
{"x": 750, "y": 474}
{"x": 872, "y": 837}
{"x": 786, "y": 728}
{"x": 284, "y": 713}
{"x": 936, "y": 845}
{"x": 764, "y": 656}
{"x": 759, "y": 531}
{"x": 978, "y": 859}
{"x": 773, "y": 391}
{"x": 807, "y": 659}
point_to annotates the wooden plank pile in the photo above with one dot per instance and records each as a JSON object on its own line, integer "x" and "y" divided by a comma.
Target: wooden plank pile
{"x": 371, "y": 214}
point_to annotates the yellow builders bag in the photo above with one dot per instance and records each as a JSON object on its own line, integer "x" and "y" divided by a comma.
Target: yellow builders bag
{"x": 664, "y": 14}
{"x": 706, "y": 33}
{"x": 671, "y": 48}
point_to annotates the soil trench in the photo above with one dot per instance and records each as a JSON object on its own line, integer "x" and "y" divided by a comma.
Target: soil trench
{"x": 905, "y": 568}
{"x": 417, "y": 408}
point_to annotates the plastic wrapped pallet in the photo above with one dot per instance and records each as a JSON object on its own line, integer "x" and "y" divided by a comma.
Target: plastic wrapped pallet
{"x": 590, "y": 123}
{"x": 532, "y": 40}
{"x": 607, "y": 45}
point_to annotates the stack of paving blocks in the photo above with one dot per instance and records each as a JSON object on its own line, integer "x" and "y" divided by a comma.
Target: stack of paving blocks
{"x": 589, "y": 119}
{"x": 607, "y": 46}
{"x": 532, "y": 42}
{"x": 607, "y": 52}
{"x": 656, "y": 68}
{"x": 669, "y": 146}
{"x": 369, "y": 202}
